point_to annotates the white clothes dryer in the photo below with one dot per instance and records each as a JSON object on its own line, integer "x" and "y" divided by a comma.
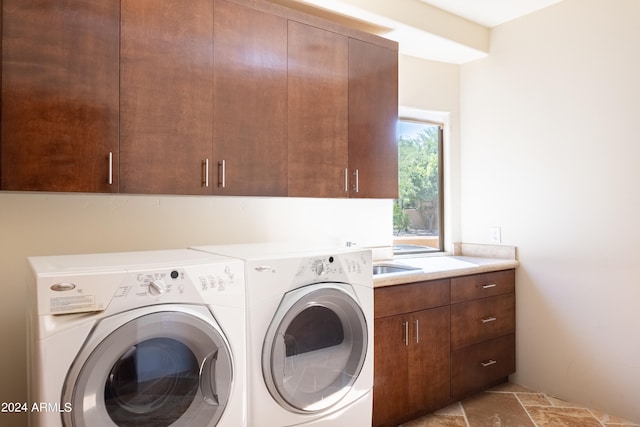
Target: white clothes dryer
{"x": 137, "y": 339}
{"x": 310, "y": 335}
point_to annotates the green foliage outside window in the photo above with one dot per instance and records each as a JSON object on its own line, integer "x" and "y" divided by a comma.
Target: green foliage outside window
{"x": 417, "y": 174}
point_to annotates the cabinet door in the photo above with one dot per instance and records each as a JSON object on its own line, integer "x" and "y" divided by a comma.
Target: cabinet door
{"x": 250, "y": 101}
{"x": 390, "y": 391}
{"x": 411, "y": 365}
{"x": 429, "y": 360}
{"x": 318, "y": 112}
{"x": 59, "y": 95}
{"x": 373, "y": 114}
{"x": 166, "y": 95}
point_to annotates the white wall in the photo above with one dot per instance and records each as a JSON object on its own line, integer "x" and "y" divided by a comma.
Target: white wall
{"x": 550, "y": 151}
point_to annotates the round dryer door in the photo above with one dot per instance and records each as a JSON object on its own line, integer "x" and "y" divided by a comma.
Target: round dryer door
{"x": 315, "y": 347}
{"x": 166, "y": 367}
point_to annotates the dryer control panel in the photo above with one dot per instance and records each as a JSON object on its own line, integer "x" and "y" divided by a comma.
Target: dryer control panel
{"x": 348, "y": 267}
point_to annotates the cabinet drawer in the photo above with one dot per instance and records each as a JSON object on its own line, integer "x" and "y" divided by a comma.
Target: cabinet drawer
{"x": 475, "y": 367}
{"x": 398, "y": 299}
{"x": 483, "y": 319}
{"x": 482, "y": 285}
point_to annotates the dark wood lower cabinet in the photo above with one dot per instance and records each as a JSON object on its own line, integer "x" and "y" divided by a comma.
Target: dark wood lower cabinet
{"x": 412, "y": 365}
{"x": 476, "y": 366}
{"x": 431, "y": 351}
{"x": 411, "y": 351}
{"x": 390, "y": 391}
{"x": 429, "y": 362}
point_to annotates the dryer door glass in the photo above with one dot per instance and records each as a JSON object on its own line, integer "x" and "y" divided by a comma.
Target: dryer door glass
{"x": 159, "y": 369}
{"x": 315, "y": 347}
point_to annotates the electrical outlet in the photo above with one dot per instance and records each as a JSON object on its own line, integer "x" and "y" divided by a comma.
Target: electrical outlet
{"x": 495, "y": 234}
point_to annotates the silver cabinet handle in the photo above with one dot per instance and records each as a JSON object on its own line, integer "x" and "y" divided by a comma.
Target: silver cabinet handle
{"x": 490, "y": 285}
{"x": 346, "y": 179}
{"x": 488, "y": 363}
{"x": 357, "y": 181}
{"x": 488, "y": 319}
{"x": 222, "y": 166}
{"x": 205, "y": 181}
{"x": 110, "y": 173}
{"x": 406, "y": 333}
{"x": 417, "y": 323}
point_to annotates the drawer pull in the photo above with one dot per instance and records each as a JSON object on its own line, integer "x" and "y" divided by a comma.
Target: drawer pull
{"x": 488, "y": 319}
{"x": 490, "y": 285}
{"x": 488, "y": 363}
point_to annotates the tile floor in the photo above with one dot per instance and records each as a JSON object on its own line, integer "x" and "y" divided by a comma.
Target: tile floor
{"x": 510, "y": 405}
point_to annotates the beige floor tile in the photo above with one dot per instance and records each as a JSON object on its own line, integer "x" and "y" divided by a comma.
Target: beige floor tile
{"x": 455, "y": 410}
{"x": 548, "y": 416}
{"x": 495, "y": 410}
{"x": 533, "y": 399}
{"x": 511, "y": 405}
{"x": 610, "y": 420}
{"x": 434, "y": 420}
{"x": 510, "y": 387}
{"x": 563, "y": 403}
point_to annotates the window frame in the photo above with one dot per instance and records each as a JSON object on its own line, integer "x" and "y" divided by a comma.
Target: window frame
{"x": 420, "y": 117}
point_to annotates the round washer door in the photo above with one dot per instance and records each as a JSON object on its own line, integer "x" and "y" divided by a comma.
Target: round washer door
{"x": 166, "y": 367}
{"x": 315, "y": 347}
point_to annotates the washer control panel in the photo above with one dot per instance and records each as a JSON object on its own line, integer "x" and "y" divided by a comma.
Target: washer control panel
{"x": 212, "y": 283}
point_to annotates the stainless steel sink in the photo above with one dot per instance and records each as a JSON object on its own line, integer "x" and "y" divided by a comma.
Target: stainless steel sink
{"x": 393, "y": 269}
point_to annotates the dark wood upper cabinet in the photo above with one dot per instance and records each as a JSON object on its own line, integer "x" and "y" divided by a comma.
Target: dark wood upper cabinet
{"x": 166, "y": 96}
{"x": 59, "y": 95}
{"x": 228, "y": 97}
{"x": 250, "y": 101}
{"x": 373, "y": 114}
{"x": 318, "y": 112}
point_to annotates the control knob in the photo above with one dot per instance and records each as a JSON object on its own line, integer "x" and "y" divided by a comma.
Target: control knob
{"x": 318, "y": 267}
{"x": 157, "y": 287}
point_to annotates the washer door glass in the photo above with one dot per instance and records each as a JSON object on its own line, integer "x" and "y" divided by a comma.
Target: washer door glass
{"x": 315, "y": 347}
{"x": 159, "y": 369}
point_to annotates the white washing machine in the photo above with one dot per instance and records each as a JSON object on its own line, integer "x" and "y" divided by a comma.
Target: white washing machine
{"x": 137, "y": 339}
{"x": 310, "y": 335}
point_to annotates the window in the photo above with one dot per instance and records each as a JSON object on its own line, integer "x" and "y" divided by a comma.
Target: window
{"x": 418, "y": 211}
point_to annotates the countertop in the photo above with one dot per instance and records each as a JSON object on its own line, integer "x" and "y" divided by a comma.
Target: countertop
{"x": 467, "y": 259}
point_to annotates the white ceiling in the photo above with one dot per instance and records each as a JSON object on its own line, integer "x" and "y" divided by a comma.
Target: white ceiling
{"x": 490, "y": 12}
{"x": 424, "y": 44}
